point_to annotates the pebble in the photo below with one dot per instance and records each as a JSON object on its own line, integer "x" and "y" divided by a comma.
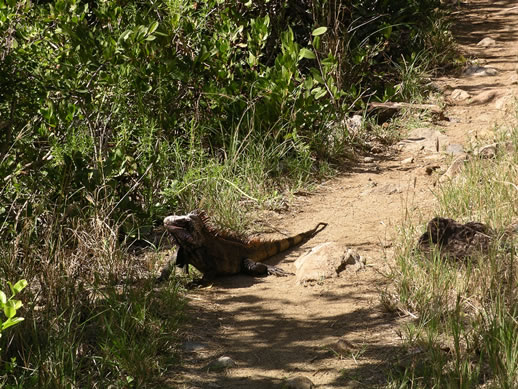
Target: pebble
{"x": 455, "y": 149}
{"x": 298, "y": 383}
{"x": 459, "y": 95}
{"x": 222, "y": 363}
{"x": 487, "y": 151}
{"x": 194, "y": 347}
{"x": 480, "y": 71}
{"x": 487, "y": 42}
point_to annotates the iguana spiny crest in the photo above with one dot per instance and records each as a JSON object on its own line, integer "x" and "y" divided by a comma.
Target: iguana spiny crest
{"x": 217, "y": 252}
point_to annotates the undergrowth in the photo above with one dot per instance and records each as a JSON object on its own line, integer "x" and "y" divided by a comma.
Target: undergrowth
{"x": 114, "y": 115}
{"x": 463, "y": 317}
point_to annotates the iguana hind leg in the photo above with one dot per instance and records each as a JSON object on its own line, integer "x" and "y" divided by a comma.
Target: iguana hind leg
{"x": 260, "y": 269}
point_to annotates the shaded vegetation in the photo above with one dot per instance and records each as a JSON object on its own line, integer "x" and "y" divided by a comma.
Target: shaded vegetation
{"x": 114, "y": 114}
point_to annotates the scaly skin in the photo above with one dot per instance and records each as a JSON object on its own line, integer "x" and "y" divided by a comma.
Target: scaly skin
{"x": 217, "y": 253}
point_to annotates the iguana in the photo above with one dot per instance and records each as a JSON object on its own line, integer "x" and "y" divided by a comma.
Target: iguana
{"x": 214, "y": 252}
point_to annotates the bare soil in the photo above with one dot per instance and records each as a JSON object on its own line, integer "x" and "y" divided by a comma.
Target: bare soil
{"x": 275, "y": 329}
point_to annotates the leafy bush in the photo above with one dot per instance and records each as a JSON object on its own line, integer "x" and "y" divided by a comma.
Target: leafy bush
{"x": 10, "y": 306}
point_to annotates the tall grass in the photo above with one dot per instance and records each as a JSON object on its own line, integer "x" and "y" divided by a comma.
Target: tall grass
{"x": 464, "y": 313}
{"x": 93, "y": 314}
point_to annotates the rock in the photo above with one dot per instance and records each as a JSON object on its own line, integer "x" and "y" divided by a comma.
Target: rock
{"x": 342, "y": 347}
{"x": 455, "y": 149}
{"x": 426, "y": 139}
{"x": 221, "y": 363}
{"x": 513, "y": 80}
{"x": 454, "y": 239}
{"x": 480, "y": 71}
{"x": 503, "y": 102}
{"x": 487, "y": 151}
{"x": 454, "y": 169}
{"x": 194, "y": 347}
{"x": 434, "y": 157}
{"x": 459, "y": 95}
{"x": 487, "y": 42}
{"x": 354, "y": 124}
{"x": 407, "y": 161}
{"x": 484, "y": 97}
{"x": 326, "y": 260}
{"x": 430, "y": 169}
{"x": 298, "y": 383}
{"x": 389, "y": 189}
{"x": 368, "y": 159}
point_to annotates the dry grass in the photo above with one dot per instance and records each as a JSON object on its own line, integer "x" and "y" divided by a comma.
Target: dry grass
{"x": 464, "y": 314}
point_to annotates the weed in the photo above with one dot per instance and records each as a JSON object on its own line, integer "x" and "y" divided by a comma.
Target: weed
{"x": 464, "y": 312}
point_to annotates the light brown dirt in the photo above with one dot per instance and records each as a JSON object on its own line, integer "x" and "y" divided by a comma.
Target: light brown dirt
{"x": 274, "y": 329}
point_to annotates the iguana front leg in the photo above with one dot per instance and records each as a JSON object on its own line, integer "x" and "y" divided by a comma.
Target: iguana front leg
{"x": 260, "y": 269}
{"x": 178, "y": 261}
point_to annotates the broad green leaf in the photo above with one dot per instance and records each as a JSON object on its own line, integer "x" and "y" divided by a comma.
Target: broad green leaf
{"x": 321, "y": 93}
{"x": 19, "y": 286}
{"x": 152, "y": 28}
{"x": 319, "y": 31}
{"x": 16, "y": 304}
{"x": 306, "y": 53}
{"x": 9, "y": 312}
{"x": 11, "y": 322}
{"x": 125, "y": 35}
{"x": 3, "y": 297}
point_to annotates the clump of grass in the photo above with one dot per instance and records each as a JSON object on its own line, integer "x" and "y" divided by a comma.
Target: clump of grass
{"x": 93, "y": 315}
{"x": 463, "y": 315}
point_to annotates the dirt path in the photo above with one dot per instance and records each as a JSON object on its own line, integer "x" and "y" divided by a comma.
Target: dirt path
{"x": 275, "y": 329}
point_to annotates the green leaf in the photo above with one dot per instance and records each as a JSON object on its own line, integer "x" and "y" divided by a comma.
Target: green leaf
{"x": 3, "y": 297}
{"x": 152, "y": 28}
{"x": 19, "y": 286}
{"x": 306, "y": 53}
{"x": 151, "y": 38}
{"x": 9, "y": 311}
{"x": 125, "y": 35}
{"x": 11, "y": 322}
{"x": 319, "y": 31}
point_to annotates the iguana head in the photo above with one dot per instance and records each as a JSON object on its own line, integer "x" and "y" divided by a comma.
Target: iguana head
{"x": 187, "y": 229}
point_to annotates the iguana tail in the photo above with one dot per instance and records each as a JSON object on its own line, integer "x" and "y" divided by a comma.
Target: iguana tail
{"x": 261, "y": 249}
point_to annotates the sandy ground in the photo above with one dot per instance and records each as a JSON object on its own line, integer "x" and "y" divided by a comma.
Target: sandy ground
{"x": 275, "y": 329}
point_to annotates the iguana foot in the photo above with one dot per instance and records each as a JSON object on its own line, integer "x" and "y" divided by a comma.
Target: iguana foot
{"x": 261, "y": 269}
{"x": 272, "y": 270}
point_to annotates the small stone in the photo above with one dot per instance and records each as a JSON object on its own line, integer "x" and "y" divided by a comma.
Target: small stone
{"x": 513, "y": 80}
{"x": 480, "y": 71}
{"x": 407, "y": 161}
{"x": 487, "y": 42}
{"x": 221, "y": 363}
{"x": 484, "y": 97}
{"x": 454, "y": 169}
{"x": 459, "y": 95}
{"x": 298, "y": 383}
{"x": 455, "y": 149}
{"x": 504, "y": 102}
{"x": 487, "y": 151}
{"x": 434, "y": 157}
{"x": 425, "y": 138}
{"x": 430, "y": 169}
{"x": 194, "y": 347}
{"x": 342, "y": 347}
{"x": 368, "y": 159}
